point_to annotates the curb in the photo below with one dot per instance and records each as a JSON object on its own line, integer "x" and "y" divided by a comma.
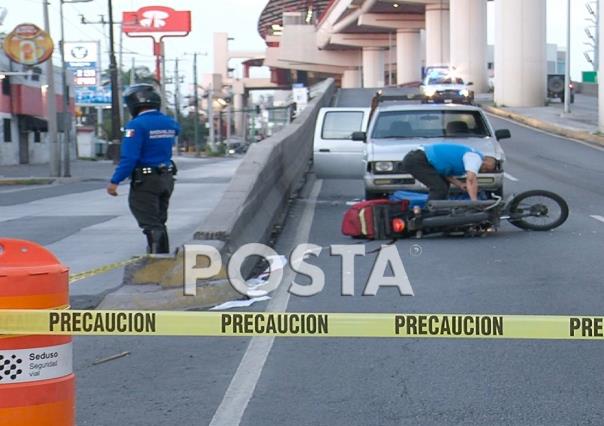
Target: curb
{"x": 156, "y": 297}
{"x": 580, "y": 135}
{"x": 32, "y": 180}
{"x": 27, "y": 181}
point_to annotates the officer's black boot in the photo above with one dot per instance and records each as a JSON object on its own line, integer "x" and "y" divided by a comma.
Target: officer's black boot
{"x": 153, "y": 240}
{"x": 164, "y": 242}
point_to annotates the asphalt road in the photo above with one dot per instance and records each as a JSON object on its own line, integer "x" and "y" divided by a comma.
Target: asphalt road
{"x": 388, "y": 381}
{"x": 295, "y": 381}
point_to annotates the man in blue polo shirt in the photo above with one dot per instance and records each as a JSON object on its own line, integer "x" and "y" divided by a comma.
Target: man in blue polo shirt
{"x": 146, "y": 157}
{"x": 437, "y": 165}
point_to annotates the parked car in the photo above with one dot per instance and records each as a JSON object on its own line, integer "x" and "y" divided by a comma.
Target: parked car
{"x": 439, "y": 87}
{"x": 235, "y": 145}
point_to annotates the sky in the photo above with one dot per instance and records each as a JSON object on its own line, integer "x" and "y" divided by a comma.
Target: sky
{"x": 239, "y": 19}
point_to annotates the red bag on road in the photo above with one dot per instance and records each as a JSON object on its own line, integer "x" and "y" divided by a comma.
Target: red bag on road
{"x": 371, "y": 219}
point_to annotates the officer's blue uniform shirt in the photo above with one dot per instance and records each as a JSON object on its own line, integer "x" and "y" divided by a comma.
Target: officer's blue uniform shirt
{"x": 148, "y": 140}
{"x": 447, "y": 158}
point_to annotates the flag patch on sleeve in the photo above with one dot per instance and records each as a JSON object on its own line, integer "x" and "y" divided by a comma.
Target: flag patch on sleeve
{"x": 128, "y": 133}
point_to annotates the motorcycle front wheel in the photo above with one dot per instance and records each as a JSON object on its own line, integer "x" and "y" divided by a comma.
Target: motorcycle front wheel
{"x": 538, "y": 210}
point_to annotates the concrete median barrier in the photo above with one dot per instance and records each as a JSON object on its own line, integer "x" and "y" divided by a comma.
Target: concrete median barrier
{"x": 254, "y": 202}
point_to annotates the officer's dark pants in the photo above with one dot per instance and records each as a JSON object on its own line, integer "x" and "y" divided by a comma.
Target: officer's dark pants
{"x": 149, "y": 201}
{"x": 416, "y": 164}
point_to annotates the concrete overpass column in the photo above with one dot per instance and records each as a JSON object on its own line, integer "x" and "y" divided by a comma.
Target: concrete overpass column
{"x": 238, "y": 115}
{"x": 520, "y": 53}
{"x": 373, "y": 67}
{"x": 469, "y": 41}
{"x": 437, "y": 34}
{"x": 408, "y": 56}
{"x": 351, "y": 79}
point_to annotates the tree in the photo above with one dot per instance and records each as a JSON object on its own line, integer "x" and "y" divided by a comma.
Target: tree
{"x": 187, "y": 131}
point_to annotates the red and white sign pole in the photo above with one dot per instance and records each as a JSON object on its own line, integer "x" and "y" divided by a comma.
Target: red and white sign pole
{"x": 157, "y": 22}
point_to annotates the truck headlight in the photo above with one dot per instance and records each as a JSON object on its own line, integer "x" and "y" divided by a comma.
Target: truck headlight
{"x": 384, "y": 166}
{"x": 464, "y": 92}
{"x": 429, "y": 92}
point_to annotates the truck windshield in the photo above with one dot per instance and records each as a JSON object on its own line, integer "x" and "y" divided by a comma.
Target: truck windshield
{"x": 429, "y": 124}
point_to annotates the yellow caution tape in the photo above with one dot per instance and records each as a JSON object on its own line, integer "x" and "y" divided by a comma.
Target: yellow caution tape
{"x": 105, "y": 268}
{"x": 168, "y": 323}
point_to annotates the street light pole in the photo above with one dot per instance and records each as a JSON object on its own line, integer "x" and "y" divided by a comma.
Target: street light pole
{"x": 66, "y": 116}
{"x": 567, "y": 65}
{"x": 115, "y": 101}
{"x": 53, "y": 145}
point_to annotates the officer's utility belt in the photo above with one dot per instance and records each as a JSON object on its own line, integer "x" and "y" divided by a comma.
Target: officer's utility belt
{"x": 139, "y": 173}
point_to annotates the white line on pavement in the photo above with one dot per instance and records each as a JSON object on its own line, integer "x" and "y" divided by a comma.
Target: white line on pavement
{"x": 597, "y": 217}
{"x": 510, "y": 177}
{"x": 240, "y": 390}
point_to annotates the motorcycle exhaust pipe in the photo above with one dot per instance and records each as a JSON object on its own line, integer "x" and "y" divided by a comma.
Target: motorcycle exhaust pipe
{"x": 466, "y": 219}
{"x": 446, "y": 204}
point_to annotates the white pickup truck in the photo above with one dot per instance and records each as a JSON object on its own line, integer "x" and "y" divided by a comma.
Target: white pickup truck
{"x": 348, "y": 144}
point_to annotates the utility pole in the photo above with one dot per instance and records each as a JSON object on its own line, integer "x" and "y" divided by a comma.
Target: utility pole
{"x": 116, "y": 105}
{"x": 133, "y": 72}
{"x": 120, "y": 79}
{"x": 196, "y": 104}
{"x": 115, "y": 101}
{"x": 196, "y": 101}
{"x": 162, "y": 82}
{"x": 53, "y": 144}
{"x": 600, "y": 71}
{"x": 176, "y": 98}
{"x": 567, "y": 65}
{"x": 66, "y": 114}
{"x": 211, "y": 118}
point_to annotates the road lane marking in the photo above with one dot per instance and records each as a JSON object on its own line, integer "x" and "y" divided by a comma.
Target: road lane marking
{"x": 240, "y": 390}
{"x": 597, "y": 217}
{"x": 510, "y": 177}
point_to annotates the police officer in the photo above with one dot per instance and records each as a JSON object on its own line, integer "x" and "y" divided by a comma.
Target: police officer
{"x": 146, "y": 155}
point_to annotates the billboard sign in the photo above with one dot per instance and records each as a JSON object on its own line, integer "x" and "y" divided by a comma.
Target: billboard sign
{"x": 93, "y": 96}
{"x": 28, "y": 44}
{"x": 81, "y": 53}
{"x": 156, "y": 19}
{"x": 82, "y": 58}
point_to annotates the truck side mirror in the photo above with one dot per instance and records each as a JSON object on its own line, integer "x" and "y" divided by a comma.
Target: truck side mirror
{"x": 359, "y": 136}
{"x": 502, "y": 134}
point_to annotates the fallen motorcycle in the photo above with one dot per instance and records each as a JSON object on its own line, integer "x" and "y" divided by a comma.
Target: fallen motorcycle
{"x": 535, "y": 210}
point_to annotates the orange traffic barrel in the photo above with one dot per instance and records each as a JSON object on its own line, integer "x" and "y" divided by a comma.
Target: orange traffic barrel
{"x": 37, "y": 384}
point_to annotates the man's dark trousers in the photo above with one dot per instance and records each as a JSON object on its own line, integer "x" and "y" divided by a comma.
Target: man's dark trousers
{"x": 416, "y": 164}
{"x": 149, "y": 201}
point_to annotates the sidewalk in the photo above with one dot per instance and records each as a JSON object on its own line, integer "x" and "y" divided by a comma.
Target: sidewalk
{"x": 87, "y": 229}
{"x": 81, "y": 170}
{"x": 581, "y": 123}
